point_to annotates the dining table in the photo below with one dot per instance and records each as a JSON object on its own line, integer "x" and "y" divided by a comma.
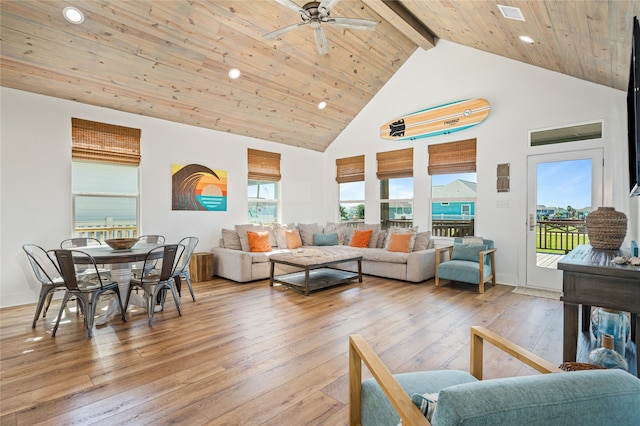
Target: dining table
{"x": 120, "y": 262}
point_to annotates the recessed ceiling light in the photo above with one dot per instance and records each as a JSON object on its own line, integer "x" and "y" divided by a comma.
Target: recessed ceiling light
{"x": 322, "y": 105}
{"x": 73, "y": 15}
{"x": 234, "y": 73}
{"x": 526, "y": 39}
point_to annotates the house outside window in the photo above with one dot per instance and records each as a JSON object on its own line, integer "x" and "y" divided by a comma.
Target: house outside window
{"x": 105, "y": 180}
{"x": 396, "y": 202}
{"x": 452, "y": 167}
{"x": 395, "y": 172}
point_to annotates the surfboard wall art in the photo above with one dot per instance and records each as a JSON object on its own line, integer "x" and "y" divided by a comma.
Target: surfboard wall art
{"x": 438, "y": 120}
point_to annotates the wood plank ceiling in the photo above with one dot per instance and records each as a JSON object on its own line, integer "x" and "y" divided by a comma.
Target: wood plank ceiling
{"x": 169, "y": 59}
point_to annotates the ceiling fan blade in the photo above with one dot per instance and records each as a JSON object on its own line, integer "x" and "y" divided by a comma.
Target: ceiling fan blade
{"x": 327, "y": 5}
{"x": 276, "y": 33}
{"x": 291, "y": 5}
{"x": 321, "y": 41}
{"x": 357, "y": 24}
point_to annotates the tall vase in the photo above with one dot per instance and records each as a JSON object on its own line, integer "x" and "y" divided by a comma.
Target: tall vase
{"x": 613, "y": 323}
{"x": 606, "y": 228}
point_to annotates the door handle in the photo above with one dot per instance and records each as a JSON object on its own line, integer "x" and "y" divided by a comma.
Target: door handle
{"x": 532, "y": 223}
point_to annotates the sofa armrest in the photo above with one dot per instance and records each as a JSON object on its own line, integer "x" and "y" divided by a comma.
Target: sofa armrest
{"x": 232, "y": 264}
{"x": 359, "y": 352}
{"x": 421, "y": 265}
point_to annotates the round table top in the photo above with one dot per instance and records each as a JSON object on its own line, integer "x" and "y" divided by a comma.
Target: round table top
{"x": 105, "y": 254}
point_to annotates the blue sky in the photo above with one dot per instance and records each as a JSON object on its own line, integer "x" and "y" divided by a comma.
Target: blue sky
{"x": 565, "y": 183}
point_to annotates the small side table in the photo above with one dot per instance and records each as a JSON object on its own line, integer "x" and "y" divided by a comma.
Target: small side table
{"x": 201, "y": 266}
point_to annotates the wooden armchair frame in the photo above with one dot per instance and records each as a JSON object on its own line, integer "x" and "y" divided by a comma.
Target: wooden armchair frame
{"x": 360, "y": 352}
{"x": 482, "y": 265}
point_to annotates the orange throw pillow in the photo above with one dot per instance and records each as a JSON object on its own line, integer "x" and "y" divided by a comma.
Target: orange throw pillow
{"x": 361, "y": 238}
{"x": 293, "y": 238}
{"x": 400, "y": 242}
{"x": 259, "y": 241}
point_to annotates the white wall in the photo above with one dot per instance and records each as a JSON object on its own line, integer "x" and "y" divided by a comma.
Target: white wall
{"x": 522, "y": 98}
{"x": 35, "y": 151}
{"x": 35, "y": 180}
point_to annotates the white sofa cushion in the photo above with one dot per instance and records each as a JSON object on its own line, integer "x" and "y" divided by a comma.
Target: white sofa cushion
{"x": 231, "y": 239}
{"x": 242, "y": 234}
{"x": 307, "y": 230}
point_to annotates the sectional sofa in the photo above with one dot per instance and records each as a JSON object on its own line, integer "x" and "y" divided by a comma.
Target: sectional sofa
{"x": 234, "y": 260}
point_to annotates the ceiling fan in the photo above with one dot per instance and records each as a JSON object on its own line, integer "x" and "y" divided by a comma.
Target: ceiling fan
{"x": 316, "y": 13}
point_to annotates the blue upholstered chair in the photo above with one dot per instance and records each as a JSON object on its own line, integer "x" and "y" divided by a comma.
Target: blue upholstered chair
{"x": 595, "y": 397}
{"x": 468, "y": 262}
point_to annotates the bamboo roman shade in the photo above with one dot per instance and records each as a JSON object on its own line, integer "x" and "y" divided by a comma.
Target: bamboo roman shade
{"x": 452, "y": 157}
{"x": 263, "y": 165}
{"x": 104, "y": 143}
{"x": 395, "y": 164}
{"x": 350, "y": 169}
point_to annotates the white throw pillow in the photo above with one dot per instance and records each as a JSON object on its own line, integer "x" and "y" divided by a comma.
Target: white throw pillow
{"x": 422, "y": 241}
{"x": 231, "y": 239}
{"x": 396, "y": 230}
{"x": 306, "y": 232}
{"x": 336, "y": 228}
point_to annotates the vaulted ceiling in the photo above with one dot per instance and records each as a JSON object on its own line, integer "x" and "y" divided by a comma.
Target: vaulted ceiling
{"x": 169, "y": 59}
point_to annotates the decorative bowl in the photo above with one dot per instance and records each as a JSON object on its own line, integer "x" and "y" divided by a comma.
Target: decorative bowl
{"x": 121, "y": 243}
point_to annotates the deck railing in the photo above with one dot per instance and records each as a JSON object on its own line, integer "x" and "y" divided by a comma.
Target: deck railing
{"x": 107, "y": 232}
{"x": 452, "y": 228}
{"x": 560, "y": 236}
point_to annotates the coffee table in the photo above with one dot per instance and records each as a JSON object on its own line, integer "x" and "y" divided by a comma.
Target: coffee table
{"x": 316, "y": 272}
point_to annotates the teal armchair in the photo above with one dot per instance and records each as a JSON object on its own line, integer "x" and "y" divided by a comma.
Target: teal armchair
{"x": 593, "y": 397}
{"x": 469, "y": 263}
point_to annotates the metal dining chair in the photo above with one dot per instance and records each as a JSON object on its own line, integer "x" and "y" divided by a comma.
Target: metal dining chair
{"x": 151, "y": 239}
{"x": 71, "y": 243}
{"x": 159, "y": 268}
{"x": 146, "y": 239}
{"x": 182, "y": 270}
{"x": 46, "y": 271}
{"x": 83, "y": 280}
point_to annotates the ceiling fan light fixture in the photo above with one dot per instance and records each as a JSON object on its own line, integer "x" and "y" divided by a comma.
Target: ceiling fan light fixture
{"x": 322, "y": 105}
{"x": 234, "y": 73}
{"x": 73, "y": 15}
{"x": 526, "y": 39}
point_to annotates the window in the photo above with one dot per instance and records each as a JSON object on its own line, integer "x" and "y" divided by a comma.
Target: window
{"x": 453, "y": 188}
{"x": 263, "y": 186}
{"x": 104, "y": 180}
{"x": 395, "y": 172}
{"x": 350, "y": 178}
{"x": 263, "y": 201}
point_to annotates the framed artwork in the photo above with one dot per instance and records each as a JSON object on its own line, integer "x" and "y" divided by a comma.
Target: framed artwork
{"x": 197, "y": 187}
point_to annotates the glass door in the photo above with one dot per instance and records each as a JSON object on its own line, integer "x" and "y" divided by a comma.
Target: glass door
{"x": 562, "y": 189}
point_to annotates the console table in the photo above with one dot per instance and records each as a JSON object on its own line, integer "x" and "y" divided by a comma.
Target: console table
{"x": 591, "y": 279}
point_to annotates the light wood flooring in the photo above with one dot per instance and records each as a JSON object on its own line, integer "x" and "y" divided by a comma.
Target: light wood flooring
{"x": 248, "y": 354}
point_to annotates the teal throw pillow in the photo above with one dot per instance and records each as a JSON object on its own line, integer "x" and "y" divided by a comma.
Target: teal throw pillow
{"x": 325, "y": 239}
{"x": 467, "y": 252}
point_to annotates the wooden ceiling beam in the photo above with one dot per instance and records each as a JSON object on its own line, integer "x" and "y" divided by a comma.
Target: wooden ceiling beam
{"x": 404, "y": 21}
